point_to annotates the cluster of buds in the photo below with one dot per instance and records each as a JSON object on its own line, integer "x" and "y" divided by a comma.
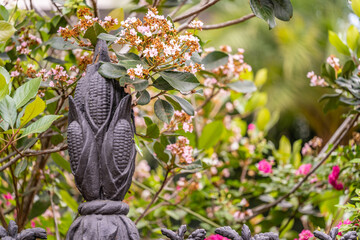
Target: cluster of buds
{"x": 86, "y": 20}
{"x": 58, "y": 76}
{"x": 180, "y": 117}
{"x": 312, "y": 145}
{"x": 334, "y": 62}
{"x": 138, "y": 72}
{"x": 83, "y": 58}
{"x": 181, "y": 150}
{"x": 316, "y": 80}
{"x": 156, "y": 39}
{"x": 27, "y": 41}
{"x": 235, "y": 66}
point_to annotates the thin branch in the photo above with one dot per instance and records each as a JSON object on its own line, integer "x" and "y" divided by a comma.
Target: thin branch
{"x": 206, "y": 6}
{"x": 207, "y": 100}
{"x": 155, "y": 196}
{"x": 2, "y": 218}
{"x": 96, "y": 10}
{"x": 59, "y": 10}
{"x": 346, "y": 128}
{"x": 29, "y": 153}
{"x": 177, "y": 9}
{"x": 228, "y": 23}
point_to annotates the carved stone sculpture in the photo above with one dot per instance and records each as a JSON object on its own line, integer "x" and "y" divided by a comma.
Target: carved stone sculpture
{"x": 27, "y": 234}
{"x": 102, "y": 154}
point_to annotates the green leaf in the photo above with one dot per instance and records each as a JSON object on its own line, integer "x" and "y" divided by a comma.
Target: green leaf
{"x": 8, "y": 110}
{"x": 215, "y": 59}
{"x": 60, "y": 44}
{"x": 143, "y": 97}
{"x": 107, "y": 37}
{"x": 211, "y": 134}
{"x": 355, "y": 160}
{"x": 32, "y": 110}
{"x": 184, "y": 104}
{"x": 117, "y": 13}
{"x": 263, "y": 118}
{"x": 264, "y": 9}
{"x": 6, "y": 30}
{"x": 355, "y": 4}
{"x": 182, "y": 81}
{"x": 159, "y": 149}
{"x": 131, "y": 63}
{"x": 4, "y": 13}
{"x": 243, "y": 86}
{"x": 352, "y": 37}
{"x": 261, "y": 77}
{"x": 137, "y": 146}
{"x": 112, "y": 70}
{"x": 26, "y": 92}
{"x": 284, "y": 149}
{"x": 61, "y": 162}
{"x": 152, "y": 131}
{"x": 4, "y": 87}
{"x": 20, "y": 167}
{"x": 161, "y": 84}
{"x": 163, "y": 110}
{"x": 40, "y": 125}
{"x": 69, "y": 200}
{"x": 283, "y": 9}
{"x": 338, "y": 44}
{"x": 93, "y": 32}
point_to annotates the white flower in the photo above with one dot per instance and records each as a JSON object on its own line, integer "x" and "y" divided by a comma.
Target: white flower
{"x": 138, "y": 70}
{"x": 196, "y": 24}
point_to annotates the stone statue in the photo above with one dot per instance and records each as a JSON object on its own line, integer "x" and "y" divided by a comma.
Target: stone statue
{"x": 102, "y": 154}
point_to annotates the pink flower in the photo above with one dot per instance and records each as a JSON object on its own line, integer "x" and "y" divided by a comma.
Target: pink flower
{"x": 264, "y": 166}
{"x": 306, "y": 150}
{"x": 333, "y": 178}
{"x": 14, "y": 74}
{"x": 216, "y": 237}
{"x": 304, "y": 169}
{"x": 305, "y": 235}
{"x": 251, "y": 127}
{"x": 344, "y": 222}
{"x": 33, "y": 224}
{"x": 8, "y": 197}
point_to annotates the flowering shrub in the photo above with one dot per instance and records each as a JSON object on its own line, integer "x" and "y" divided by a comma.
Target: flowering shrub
{"x": 204, "y": 155}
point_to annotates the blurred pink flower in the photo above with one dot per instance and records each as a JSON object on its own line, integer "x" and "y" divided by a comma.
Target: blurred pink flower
{"x": 306, "y": 150}
{"x": 33, "y": 223}
{"x": 264, "y": 166}
{"x": 305, "y": 235}
{"x": 216, "y": 237}
{"x": 333, "y": 178}
{"x": 304, "y": 169}
{"x": 8, "y": 197}
{"x": 251, "y": 127}
{"x": 344, "y": 222}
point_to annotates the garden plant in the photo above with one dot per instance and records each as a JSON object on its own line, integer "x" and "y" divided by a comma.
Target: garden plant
{"x": 204, "y": 158}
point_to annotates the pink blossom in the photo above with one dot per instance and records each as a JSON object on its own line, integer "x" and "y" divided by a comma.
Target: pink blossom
{"x": 33, "y": 223}
{"x": 264, "y": 166}
{"x": 344, "y": 222}
{"x": 333, "y": 178}
{"x": 305, "y": 235}
{"x": 14, "y": 74}
{"x": 306, "y": 150}
{"x": 225, "y": 172}
{"x": 51, "y": 84}
{"x": 8, "y": 197}
{"x": 304, "y": 169}
{"x": 216, "y": 237}
{"x": 251, "y": 127}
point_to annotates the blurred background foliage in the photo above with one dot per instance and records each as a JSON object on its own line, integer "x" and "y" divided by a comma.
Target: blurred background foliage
{"x": 288, "y": 51}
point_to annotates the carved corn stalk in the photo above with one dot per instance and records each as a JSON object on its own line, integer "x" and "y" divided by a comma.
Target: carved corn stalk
{"x": 102, "y": 154}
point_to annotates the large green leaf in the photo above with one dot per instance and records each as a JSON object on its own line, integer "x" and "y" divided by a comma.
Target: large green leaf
{"x": 143, "y": 97}
{"x": 211, "y": 134}
{"x": 4, "y": 83}
{"x": 4, "y": 13}
{"x": 161, "y": 84}
{"x": 6, "y": 30}
{"x": 20, "y": 167}
{"x": 8, "y": 110}
{"x": 26, "y": 92}
{"x": 185, "y": 105}
{"x": 32, "y": 110}
{"x": 107, "y": 37}
{"x": 263, "y": 118}
{"x": 60, "y": 44}
{"x": 355, "y": 4}
{"x": 70, "y": 202}
{"x": 40, "y": 125}
{"x": 264, "y": 9}
{"x": 61, "y": 162}
{"x": 111, "y": 70}
{"x": 352, "y": 37}
{"x": 163, "y": 110}
{"x": 338, "y": 44}
{"x": 243, "y": 86}
{"x": 182, "y": 81}
{"x": 283, "y": 9}
{"x": 93, "y": 32}
{"x": 152, "y": 131}
{"x": 215, "y": 59}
